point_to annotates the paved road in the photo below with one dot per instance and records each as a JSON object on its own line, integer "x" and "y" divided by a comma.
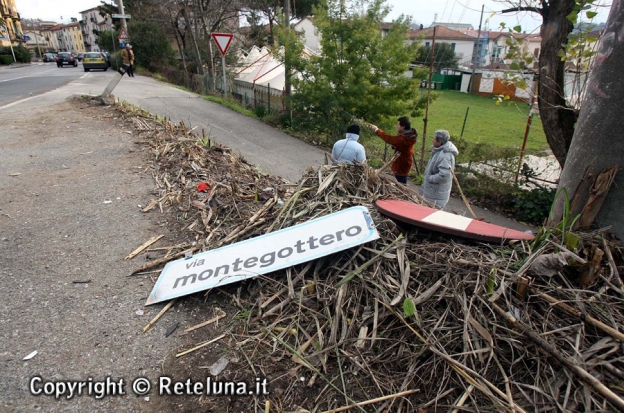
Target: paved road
{"x": 272, "y": 150}
{"x": 22, "y": 82}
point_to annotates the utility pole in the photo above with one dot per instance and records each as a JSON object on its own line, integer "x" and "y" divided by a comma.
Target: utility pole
{"x": 425, "y": 120}
{"x": 37, "y": 41}
{"x": 475, "y": 55}
{"x": 287, "y": 84}
{"x": 121, "y": 11}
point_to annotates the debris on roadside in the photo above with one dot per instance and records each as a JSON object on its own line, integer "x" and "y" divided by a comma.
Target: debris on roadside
{"x": 472, "y": 326}
{"x": 30, "y": 356}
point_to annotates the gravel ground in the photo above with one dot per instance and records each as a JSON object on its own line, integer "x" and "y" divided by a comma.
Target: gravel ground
{"x": 56, "y": 227}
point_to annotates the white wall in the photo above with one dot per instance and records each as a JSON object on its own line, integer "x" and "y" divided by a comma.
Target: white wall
{"x": 312, "y": 38}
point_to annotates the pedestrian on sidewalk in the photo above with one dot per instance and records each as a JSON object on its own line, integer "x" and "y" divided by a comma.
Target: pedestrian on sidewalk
{"x": 436, "y": 186}
{"x": 403, "y": 143}
{"x": 349, "y": 149}
{"x": 127, "y": 56}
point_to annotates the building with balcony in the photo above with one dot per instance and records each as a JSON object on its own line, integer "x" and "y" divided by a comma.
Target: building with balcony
{"x": 91, "y": 24}
{"x": 12, "y": 33}
{"x": 65, "y": 38}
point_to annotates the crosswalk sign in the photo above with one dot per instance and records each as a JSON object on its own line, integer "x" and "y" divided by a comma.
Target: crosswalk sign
{"x": 123, "y": 35}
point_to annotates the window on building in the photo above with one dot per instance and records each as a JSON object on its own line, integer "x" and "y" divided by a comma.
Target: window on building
{"x": 453, "y": 46}
{"x": 427, "y": 44}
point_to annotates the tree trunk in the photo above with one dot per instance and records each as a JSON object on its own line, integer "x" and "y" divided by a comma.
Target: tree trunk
{"x": 597, "y": 140}
{"x": 189, "y": 31}
{"x": 557, "y": 118}
{"x": 209, "y": 58}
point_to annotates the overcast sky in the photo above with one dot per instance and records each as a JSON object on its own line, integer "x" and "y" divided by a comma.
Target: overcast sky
{"x": 421, "y": 11}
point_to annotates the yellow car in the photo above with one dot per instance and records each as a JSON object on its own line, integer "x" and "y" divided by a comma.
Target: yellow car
{"x": 94, "y": 60}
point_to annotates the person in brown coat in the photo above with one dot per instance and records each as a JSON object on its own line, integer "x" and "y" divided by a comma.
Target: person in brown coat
{"x": 127, "y": 55}
{"x": 403, "y": 143}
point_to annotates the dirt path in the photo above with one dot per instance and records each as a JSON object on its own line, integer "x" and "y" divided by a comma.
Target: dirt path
{"x": 57, "y": 227}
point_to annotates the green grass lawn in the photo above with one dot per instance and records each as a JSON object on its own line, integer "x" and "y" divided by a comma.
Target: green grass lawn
{"x": 503, "y": 125}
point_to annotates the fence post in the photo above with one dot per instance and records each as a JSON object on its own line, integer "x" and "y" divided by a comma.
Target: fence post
{"x": 269, "y": 98}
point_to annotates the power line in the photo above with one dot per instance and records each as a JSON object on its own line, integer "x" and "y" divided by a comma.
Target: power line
{"x": 461, "y": 16}
{"x": 444, "y": 11}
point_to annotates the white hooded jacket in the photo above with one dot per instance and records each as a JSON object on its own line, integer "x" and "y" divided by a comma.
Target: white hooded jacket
{"x": 436, "y": 186}
{"x": 349, "y": 150}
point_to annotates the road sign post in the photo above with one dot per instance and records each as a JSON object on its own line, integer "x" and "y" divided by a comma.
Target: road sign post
{"x": 223, "y": 41}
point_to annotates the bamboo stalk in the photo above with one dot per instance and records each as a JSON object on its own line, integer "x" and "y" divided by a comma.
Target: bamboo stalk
{"x": 586, "y": 318}
{"x": 156, "y": 263}
{"x": 205, "y": 323}
{"x": 163, "y": 311}
{"x": 463, "y": 196}
{"x": 372, "y": 401}
{"x": 200, "y": 346}
{"x": 142, "y": 247}
{"x": 567, "y": 362}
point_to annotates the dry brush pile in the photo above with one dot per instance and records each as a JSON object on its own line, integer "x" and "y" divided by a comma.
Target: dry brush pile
{"x": 413, "y": 321}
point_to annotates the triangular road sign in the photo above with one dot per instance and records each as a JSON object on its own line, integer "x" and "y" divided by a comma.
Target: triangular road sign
{"x": 123, "y": 35}
{"x": 223, "y": 41}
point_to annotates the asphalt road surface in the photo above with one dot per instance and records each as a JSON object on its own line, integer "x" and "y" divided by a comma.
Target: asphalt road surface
{"x": 25, "y": 81}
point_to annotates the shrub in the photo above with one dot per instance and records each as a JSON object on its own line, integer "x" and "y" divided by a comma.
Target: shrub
{"x": 260, "y": 111}
{"x": 6, "y": 60}
{"x": 116, "y": 61}
{"x": 533, "y": 206}
{"x": 22, "y": 54}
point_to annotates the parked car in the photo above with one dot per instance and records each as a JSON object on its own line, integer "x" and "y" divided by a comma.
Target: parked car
{"x": 49, "y": 57}
{"x": 107, "y": 56}
{"x": 65, "y": 58}
{"x": 80, "y": 56}
{"x": 94, "y": 60}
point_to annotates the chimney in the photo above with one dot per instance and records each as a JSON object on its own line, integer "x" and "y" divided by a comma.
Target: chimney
{"x": 435, "y": 17}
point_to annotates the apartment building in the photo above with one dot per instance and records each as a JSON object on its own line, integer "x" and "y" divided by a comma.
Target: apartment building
{"x": 92, "y": 23}
{"x": 66, "y": 38}
{"x": 12, "y": 33}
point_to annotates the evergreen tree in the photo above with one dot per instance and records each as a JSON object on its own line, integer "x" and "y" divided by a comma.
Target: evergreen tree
{"x": 444, "y": 57}
{"x": 358, "y": 72}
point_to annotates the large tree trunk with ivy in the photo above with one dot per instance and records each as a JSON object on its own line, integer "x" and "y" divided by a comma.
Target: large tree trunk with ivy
{"x": 557, "y": 117}
{"x": 597, "y": 144}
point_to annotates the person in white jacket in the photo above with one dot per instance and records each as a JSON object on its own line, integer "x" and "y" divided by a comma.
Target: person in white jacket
{"x": 349, "y": 149}
{"x": 436, "y": 186}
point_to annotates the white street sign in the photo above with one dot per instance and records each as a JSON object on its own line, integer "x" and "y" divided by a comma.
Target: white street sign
{"x": 265, "y": 254}
{"x": 121, "y": 16}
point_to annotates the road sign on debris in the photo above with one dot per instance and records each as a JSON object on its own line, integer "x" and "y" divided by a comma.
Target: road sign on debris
{"x": 123, "y": 35}
{"x": 264, "y": 254}
{"x": 121, "y": 16}
{"x": 223, "y": 41}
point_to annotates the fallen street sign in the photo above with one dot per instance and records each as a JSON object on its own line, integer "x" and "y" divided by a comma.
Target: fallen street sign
{"x": 265, "y": 254}
{"x": 223, "y": 41}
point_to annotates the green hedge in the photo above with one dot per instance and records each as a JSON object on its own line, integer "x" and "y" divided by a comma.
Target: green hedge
{"x": 6, "y": 60}
{"x": 22, "y": 55}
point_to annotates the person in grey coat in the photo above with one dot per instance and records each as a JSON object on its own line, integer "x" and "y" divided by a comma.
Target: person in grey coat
{"x": 436, "y": 186}
{"x": 349, "y": 149}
